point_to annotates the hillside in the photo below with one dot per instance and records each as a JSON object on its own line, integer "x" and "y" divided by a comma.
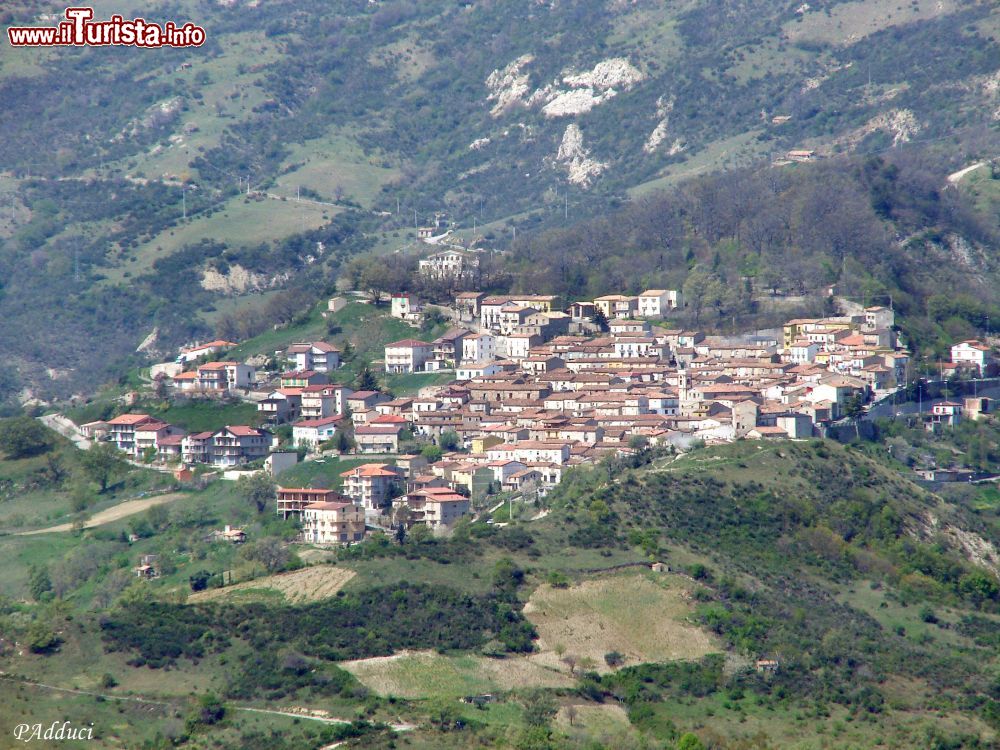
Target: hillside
{"x": 129, "y": 213}
{"x": 883, "y": 629}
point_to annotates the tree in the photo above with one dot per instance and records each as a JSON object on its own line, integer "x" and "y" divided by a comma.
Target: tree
{"x": 367, "y": 381}
{"x": 21, "y": 437}
{"x": 432, "y": 453}
{"x": 199, "y": 580}
{"x": 689, "y": 741}
{"x": 600, "y": 320}
{"x": 101, "y": 463}
{"x": 39, "y": 583}
{"x": 342, "y": 441}
{"x": 257, "y": 489}
{"x": 450, "y": 440}
{"x": 269, "y": 552}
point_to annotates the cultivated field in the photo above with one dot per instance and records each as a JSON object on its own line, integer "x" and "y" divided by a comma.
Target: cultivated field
{"x": 639, "y": 616}
{"x": 297, "y": 587}
{"x": 425, "y": 674}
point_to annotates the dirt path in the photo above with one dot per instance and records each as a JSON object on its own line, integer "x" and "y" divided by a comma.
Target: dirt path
{"x": 312, "y": 715}
{"x": 109, "y": 515}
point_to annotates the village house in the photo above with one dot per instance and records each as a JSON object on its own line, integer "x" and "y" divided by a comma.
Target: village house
{"x": 317, "y": 356}
{"x": 372, "y": 485}
{"x": 282, "y": 405}
{"x": 121, "y": 430}
{"x": 617, "y": 306}
{"x": 656, "y": 303}
{"x": 974, "y": 354}
{"x": 435, "y": 507}
{"x": 222, "y": 377}
{"x": 309, "y": 433}
{"x": 408, "y": 355}
{"x": 303, "y": 378}
{"x": 449, "y": 348}
{"x": 238, "y": 444}
{"x": 192, "y": 353}
{"x": 467, "y": 305}
{"x": 333, "y": 523}
{"x": 405, "y": 306}
{"x": 319, "y": 401}
{"x": 293, "y": 500}
{"x": 450, "y": 263}
{"x": 378, "y": 438}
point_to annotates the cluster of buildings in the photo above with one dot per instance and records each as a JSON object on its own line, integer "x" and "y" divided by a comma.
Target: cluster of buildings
{"x": 141, "y": 435}
{"x": 374, "y": 495}
{"x": 538, "y": 390}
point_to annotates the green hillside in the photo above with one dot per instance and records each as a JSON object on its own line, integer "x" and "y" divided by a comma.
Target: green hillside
{"x": 877, "y": 599}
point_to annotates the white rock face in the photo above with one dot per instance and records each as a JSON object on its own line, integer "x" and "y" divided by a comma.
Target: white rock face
{"x": 580, "y": 168}
{"x": 616, "y": 73}
{"x": 508, "y": 86}
{"x": 901, "y": 123}
{"x": 573, "y": 94}
{"x": 659, "y": 134}
{"x": 575, "y": 102}
{"x": 479, "y": 143}
{"x": 237, "y": 280}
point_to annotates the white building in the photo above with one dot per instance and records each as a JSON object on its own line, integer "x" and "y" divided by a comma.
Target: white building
{"x": 655, "y": 303}
{"x": 408, "y": 355}
{"x": 973, "y": 353}
{"x": 480, "y": 347}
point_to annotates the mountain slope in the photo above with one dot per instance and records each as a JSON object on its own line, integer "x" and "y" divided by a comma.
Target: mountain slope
{"x": 481, "y": 109}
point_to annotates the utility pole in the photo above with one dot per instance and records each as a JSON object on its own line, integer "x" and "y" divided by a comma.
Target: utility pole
{"x": 184, "y": 203}
{"x": 566, "y": 207}
{"x": 414, "y": 218}
{"x": 298, "y": 193}
{"x": 397, "y": 206}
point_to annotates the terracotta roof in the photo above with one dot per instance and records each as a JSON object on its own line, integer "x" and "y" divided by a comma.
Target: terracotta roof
{"x": 125, "y": 419}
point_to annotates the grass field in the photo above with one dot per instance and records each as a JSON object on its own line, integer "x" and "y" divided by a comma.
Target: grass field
{"x": 201, "y": 416}
{"x": 426, "y": 674}
{"x": 241, "y": 221}
{"x": 322, "y": 472}
{"x": 640, "y": 615}
{"x": 297, "y": 587}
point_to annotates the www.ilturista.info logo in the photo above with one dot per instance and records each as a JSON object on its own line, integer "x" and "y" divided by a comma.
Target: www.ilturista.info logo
{"x": 79, "y": 30}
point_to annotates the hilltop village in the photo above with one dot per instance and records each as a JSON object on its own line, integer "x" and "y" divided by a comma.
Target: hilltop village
{"x": 527, "y": 388}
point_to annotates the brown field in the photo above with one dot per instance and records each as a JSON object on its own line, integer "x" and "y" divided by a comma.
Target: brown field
{"x": 643, "y": 616}
{"x": 426, "y": 674}
{"x": 297, "y": 587}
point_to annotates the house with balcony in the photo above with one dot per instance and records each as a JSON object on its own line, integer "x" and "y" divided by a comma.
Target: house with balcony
{"x": 291, "y": 501}
{"x": 435, "y": 507}
{"x": 372, "y": 485}
{"x": 319, "y": 401}
{"x": 333, "y": 523}
{"x": 408, "y": 355}
{"x": 318, "y": 356}
{"x": 239, "y": 444}
{"x": 282, "y": 405}
{"x": 617, "y": 306}
{"x": 378, "y": 438}
{"x": 121, "y": 430}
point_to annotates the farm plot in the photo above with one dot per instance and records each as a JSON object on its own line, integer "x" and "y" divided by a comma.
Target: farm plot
{"x": 297, "y": 587}
{"x": 643, "y": 619}
{"x": 425, "y": 674}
